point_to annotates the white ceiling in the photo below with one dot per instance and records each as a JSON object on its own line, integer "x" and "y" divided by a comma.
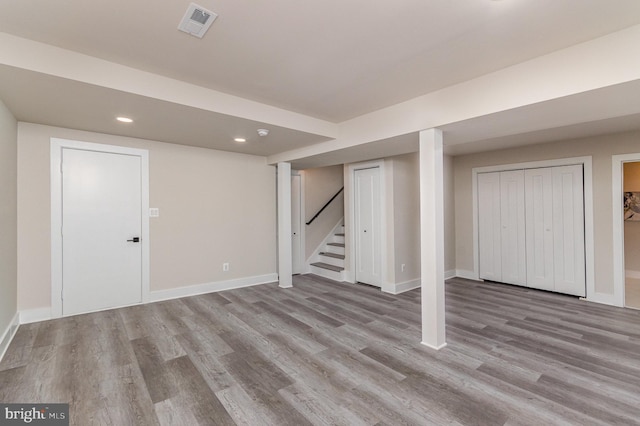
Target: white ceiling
{"x": 332, "y": 60}
{"x": 44, "y": 99}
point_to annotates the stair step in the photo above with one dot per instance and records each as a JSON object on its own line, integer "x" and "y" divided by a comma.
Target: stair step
{"x": 336, "y": 244}
{"x": 327, "y": 266}
{"x": 334, "y": 255}
{"x": 340, "y": 235}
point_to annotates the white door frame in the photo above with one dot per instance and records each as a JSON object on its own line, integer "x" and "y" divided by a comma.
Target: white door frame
{"x": 57, "y": 145}
{"x": 617, "y": 186}
{"x": 349, "y": 221}
{"x": 303, "y": 267}
{"x": 588, "y": 217}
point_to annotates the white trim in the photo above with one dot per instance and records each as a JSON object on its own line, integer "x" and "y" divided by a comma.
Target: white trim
{"x": 466, "y": 274}
{"x": 603, "y": 298}
{"x": 56, "y": 213}
{"x": 35, "y": 315}
{"x": 589, "y": 245}
{"x": 617, "y": 189}
{"x": 194, "y": 290}
{"x": 349, "y": 272}
{"x": 451, "y": 273}
{"x": 437, "y": 348}
{"x": 628, "y": 273}
{"x": 8, "y": 334}
{"x": 303, "y": 221}
{"x": 398, "y": 288}
{"x": 533, "y": 164}
{"x": 43, "y": 314}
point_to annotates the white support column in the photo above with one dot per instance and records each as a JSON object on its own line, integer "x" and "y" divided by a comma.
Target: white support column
{"x": 432, "y": 238}
{"x": 285, "y": 267}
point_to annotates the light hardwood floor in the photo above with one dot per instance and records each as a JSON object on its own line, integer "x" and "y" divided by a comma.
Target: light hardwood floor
{"x": 326, "y": 353}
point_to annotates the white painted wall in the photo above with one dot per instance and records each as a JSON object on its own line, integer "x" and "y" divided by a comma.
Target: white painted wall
{"x": 449, "y": 215}
{"x": 403, "y": 214}
{"x": 404, "y": 211}
{"x": 8, "y": 219}
{"x": 601, "y": 148}
{"x": 214, "y": 206}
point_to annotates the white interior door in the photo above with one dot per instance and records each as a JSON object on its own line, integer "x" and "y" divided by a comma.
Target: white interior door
{"x": 539, "y": 223}
{"x": 297, "y": 254}
{"x": 512, "y": 218}
{"x": 568, "y": 222}
{"x": 489, "y": 226}
{"x": 368, "y": 209}
{"x": 101, "y": 215}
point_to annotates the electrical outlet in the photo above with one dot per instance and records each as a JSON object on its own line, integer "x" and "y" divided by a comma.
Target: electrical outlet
{"x": 403, "y": 266}
{"x": 225, "y": 267}
{"x": 154, "y": 212}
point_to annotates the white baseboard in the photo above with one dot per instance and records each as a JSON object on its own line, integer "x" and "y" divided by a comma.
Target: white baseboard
{"x": 35, "y": 315}
{"x": 194, "y": 290}
{"x": 405, "y": 286}
{"x": 411, "y": 284}
{"x": 604, "y": 299}
{"x": 43, "y": 314}
{"x": 437, "y": 348}
{"x": 463, "y": 273}
{"x": 628, "y": 273}
{"x": 7, "y": 335}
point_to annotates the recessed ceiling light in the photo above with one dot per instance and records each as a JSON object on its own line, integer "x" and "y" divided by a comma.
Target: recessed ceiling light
{"x": 124, "y": 119}
{"x": 240, "y": 140}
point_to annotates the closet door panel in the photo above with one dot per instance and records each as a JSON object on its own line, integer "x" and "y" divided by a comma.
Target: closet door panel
{"x": 568, "y": 222}
{"x": 489, "y": 253}
{"x": 539, "y": 228}
{"x": 513, "y": 246}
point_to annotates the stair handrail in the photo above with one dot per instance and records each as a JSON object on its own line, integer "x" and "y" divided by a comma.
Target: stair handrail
{"x": 325, "y": 206}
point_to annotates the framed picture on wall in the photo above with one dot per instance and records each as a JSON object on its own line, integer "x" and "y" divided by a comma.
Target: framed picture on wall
{"x": 632, "y": 206}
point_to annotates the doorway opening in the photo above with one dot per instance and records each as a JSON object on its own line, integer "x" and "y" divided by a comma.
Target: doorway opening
{"x": 631, "y": 233}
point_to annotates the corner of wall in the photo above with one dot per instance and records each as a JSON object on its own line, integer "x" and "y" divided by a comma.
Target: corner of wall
{"x": 8, "y": 227}
{"x": 8, "y": 334}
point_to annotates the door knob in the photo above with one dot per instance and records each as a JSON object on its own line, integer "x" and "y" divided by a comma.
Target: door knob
{"x": 134, "y": 240}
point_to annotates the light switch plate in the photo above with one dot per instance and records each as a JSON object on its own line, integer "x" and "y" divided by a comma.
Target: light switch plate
{"x": 154, "y": 212}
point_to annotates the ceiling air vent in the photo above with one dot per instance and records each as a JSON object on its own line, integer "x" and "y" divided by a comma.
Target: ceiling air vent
{"x": 196, "y": 20}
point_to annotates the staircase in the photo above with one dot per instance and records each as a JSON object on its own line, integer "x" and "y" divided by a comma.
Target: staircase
{"x": 329, "y": 263}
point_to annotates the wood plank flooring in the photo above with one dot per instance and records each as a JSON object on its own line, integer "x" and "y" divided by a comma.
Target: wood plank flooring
{"x": 324, "y": 353}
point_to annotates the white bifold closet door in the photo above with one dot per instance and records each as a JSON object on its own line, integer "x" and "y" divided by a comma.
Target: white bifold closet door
{"x": 489, "y": 235}
{"x": 555, "y": 229}
{"x": 501, "y": 227}
{"x": 514, "y": 257}
{"x": 531, "y": 228}
{"x": 539, "y": 218}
